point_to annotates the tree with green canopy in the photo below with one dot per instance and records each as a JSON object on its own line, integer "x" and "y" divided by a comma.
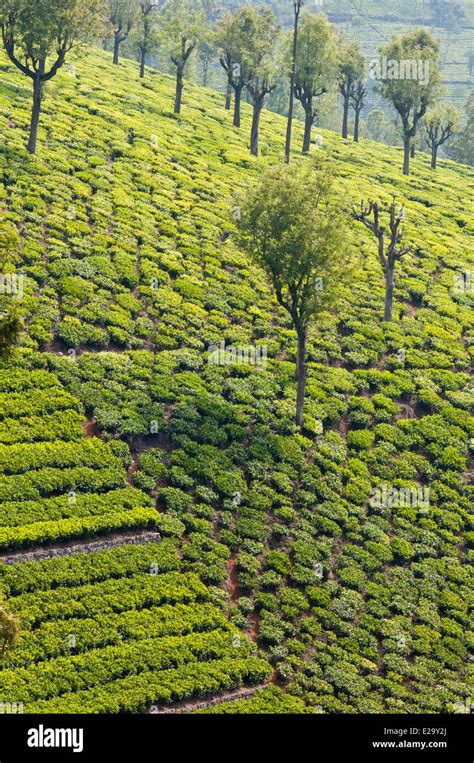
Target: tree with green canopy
{"x": 145, "y": 37}
{"x": 37, "y": 36}
{"x": 409, "y": 78}
{"x": 122, "y": 16}
{"x": 316, "y": 66}
{"x": 182, "y": 27}
{"x": 260, "y": 66}
{"x": 234, "y": 36}
{"x": 440, "y": 124}
{"x": 351, "y": 71}
{"x": 292, "y": 226}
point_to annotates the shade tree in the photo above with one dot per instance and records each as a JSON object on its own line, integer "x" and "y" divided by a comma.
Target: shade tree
{"x": 316, "y": 67}
{"x": 440, "y": 125}
{"x": 38, "y": 36}
{"x": 409, "y": 78}
{"x": 182, "y": 27}
{"x": 292, "y": 226}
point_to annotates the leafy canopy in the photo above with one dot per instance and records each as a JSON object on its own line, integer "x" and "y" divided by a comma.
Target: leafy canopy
{"x": 293, "y": 227}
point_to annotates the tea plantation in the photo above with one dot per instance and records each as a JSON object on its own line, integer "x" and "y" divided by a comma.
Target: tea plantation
{"x": 270, "y": 567}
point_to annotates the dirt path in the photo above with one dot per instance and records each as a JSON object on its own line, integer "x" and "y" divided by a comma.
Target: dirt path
{"x": 66, "y": 549}
{"x": 200, "y": 704}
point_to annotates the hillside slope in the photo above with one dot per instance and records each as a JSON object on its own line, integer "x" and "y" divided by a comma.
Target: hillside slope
{"x": 131, "y": 273}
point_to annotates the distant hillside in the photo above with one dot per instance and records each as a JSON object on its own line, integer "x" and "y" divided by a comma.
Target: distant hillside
{"x": 275, "y": 566}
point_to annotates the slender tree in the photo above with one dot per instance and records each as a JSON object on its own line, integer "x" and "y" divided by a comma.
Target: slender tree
{"x": 440, "y": 124}
{"x": 182, "y": 27}
{"x": 351, "y": 71}
{"x": 38, "y": 36}
{"x": 389, "y": 240}
{"x": 236, "y": 37}
{"x": 316, "y": 67}
{"x": 122, "y": 14}
{"x": 145, "y": 32}
{"x": 409, "y": 78}
{"x": 260, "y": 68}
{"x": 297, "y": 5}
{"x": 229, "y": 42}
{"x": 358, "y": 100}
{"x": 292, "y": 227}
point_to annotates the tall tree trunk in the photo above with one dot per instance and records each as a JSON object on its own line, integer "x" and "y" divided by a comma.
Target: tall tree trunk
{"x": 301, "y": 375}
{"x": 356, "y": 125}
{"x": 289, "y": 123}
{"x": 434, "y": 156}
{"x": 179, "y": 91}
{"x": 116, "y": 48}
{"x": 389, "y": 288}
{"x": 412, "y": 150}
{"x": 142, "y": 63}
{"x": 35, "y": 111}
{"x": 345, "y": 117}
{"x": 257, "y": 110}
{"x": 205, "y": 72}
{"x": 237, "y": 103}
{"x": 228, "y": 95}
{"x": 308, "y": 124}
{"x": 406, "y": 157}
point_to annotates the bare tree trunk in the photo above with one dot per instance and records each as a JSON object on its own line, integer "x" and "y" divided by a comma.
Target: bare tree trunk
{"x": 356, "y": 125}
{"x": 179, "y": 91}
{"x": 345, "y": 117}
{"x": 205, "y": 72}
{"x": 308, "y": 124}
{"x": 142, "y": 64}
{"x": 35, "y": 111}
{"x": 412, "y": 150}
{"x": 116, "y": 48}
{"x": 434, "y": 156}
{"x": 389, "y": 288}
{"x": 237, "y": 103}
{"x": 257, "y": 110}
{"x": 301, "y": 375}
{"x": 406, "y": 158}
{"x": 228, "y": 95}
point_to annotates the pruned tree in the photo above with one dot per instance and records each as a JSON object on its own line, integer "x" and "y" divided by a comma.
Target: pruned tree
{"x": 9, "y": 633}
{"x": 182, "y": 27}
{"x": 122, "y": 15}
{"x": 37, "y": 37}
{"x": 145, "y": 38}
{"x": 230, "y": 40}
{"x": 351, "y": 71}
{"x": 440, "y": 124}
{"x": 388, "y": 240}
{"x": 260, "y": 67}
{"x": 293, "y": 228}
{"x": 316, "y": 67}
{"x": 412, "y": 81}
{"x": 357, "y": 101}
